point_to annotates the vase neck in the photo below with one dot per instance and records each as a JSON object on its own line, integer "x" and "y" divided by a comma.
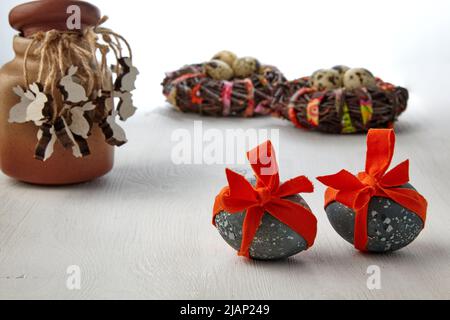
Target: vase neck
{"x": 20, "y": 45}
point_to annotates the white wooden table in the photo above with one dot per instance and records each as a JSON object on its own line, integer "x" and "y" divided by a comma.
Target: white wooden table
{"x": 144, "y": 231}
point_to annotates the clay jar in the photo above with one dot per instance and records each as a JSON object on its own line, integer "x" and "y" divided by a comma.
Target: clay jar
{"x": 18, "y": 141}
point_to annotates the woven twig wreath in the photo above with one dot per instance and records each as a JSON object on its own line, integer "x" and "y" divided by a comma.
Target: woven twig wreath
{"x": 191, "y": 90}
{"x": 340, "y": 111}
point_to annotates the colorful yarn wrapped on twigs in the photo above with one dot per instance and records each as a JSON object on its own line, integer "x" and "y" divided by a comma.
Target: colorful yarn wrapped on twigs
{"x": 339, "y": 111}
{"x": 191, "y": 90}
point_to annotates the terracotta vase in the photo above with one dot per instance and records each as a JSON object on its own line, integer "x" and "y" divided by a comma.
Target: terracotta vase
{"x": 18, "y": 141}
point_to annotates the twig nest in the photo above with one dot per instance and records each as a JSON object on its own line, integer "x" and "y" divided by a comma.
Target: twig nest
{"x": 213, "y": 89}
{"x": 390, "y": 226}
{"x": 325, "y": 79}
{"x": 359, "y": 78}
{"x": 219, "y": 70}
{"x": 321, "y": 102}
{"x": 245, "y": 67}
{"x": 226, "y": 56}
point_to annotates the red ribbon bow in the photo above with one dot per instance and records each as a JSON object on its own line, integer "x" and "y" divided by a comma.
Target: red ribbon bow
{"x": 267, "y": 196}
{"x": 356, "y": 191}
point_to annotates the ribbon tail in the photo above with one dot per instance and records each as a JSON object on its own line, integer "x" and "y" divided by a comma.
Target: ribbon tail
{"x": 296, "y": 217}
{"x": 361, "y": 233}
{"x": 264, "y": 165}
{"x": 342, "y": 180}
{"x": 239, "y": 187}
{"x": 251, "y": 224}
{"x": 397, "y": 176}
{"x": 294, "y": 186}
{"x": 380, "y": 151}
{"x": 237, "y": 197}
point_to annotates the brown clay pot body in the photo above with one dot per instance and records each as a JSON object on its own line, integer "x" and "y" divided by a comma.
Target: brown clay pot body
{"x": 18, "y": 141}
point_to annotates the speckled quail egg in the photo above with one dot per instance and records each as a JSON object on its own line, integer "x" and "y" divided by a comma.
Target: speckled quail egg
{"x": 358, "y": 78}
{"x": 226, "y": 56}
{"x": 325, "y": 79}
{"x": 342, "y": 70}
{"x": 246, "y": 67}
{"x": 219, "y": 70}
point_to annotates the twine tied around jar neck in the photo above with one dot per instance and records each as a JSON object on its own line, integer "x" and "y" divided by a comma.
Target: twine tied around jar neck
{"x": 58, "y": 50}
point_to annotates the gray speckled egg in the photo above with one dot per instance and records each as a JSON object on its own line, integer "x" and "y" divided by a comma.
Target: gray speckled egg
{"x": 226, "y": 56}
{"x": 390, "y": 226}
{"x": 357, "y": 78}
{"x": 341, "y": 69}
{"x": 218, "y": 70}
{"x": 325, "y": 79}
{"x": 273, "y": 241}
{"x": 245, "y": 67}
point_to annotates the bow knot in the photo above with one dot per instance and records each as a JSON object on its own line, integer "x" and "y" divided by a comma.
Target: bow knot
{"x": 356, "y": 192}
{"x": 267, "y": 196}
{"x": 368, "y": 180}
{"x": 264, "y": 196}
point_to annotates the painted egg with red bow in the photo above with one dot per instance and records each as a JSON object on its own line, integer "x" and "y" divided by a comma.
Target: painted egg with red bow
{"x": 273, "y": 241}
{"x": 390, "y": 226}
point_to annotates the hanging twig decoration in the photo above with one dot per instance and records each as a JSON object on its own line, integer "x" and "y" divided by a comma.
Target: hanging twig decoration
{"x": 73, "y": 90}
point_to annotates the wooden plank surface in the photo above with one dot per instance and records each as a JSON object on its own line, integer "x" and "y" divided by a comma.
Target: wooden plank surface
{"x": 144, "y": 230}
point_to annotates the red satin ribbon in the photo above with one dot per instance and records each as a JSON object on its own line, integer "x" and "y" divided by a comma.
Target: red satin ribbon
{"x": 268, "y": 196}
{"x": 356, "y": 192}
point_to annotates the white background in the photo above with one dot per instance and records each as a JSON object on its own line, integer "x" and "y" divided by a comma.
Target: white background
{"x": 404, "y": 41}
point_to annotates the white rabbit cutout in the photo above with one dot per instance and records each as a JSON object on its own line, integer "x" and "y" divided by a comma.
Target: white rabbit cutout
{"x": 114, "y": 134}
{"x": 126, "y": 80}
{"x": 125, "y": 107}
{"x": 36, "y": 107}
{"x": 31, "y": 106}
{"x": 72, "y": 91}
{"x": 18, "y": 113}
{"x": 79, "y": 125}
